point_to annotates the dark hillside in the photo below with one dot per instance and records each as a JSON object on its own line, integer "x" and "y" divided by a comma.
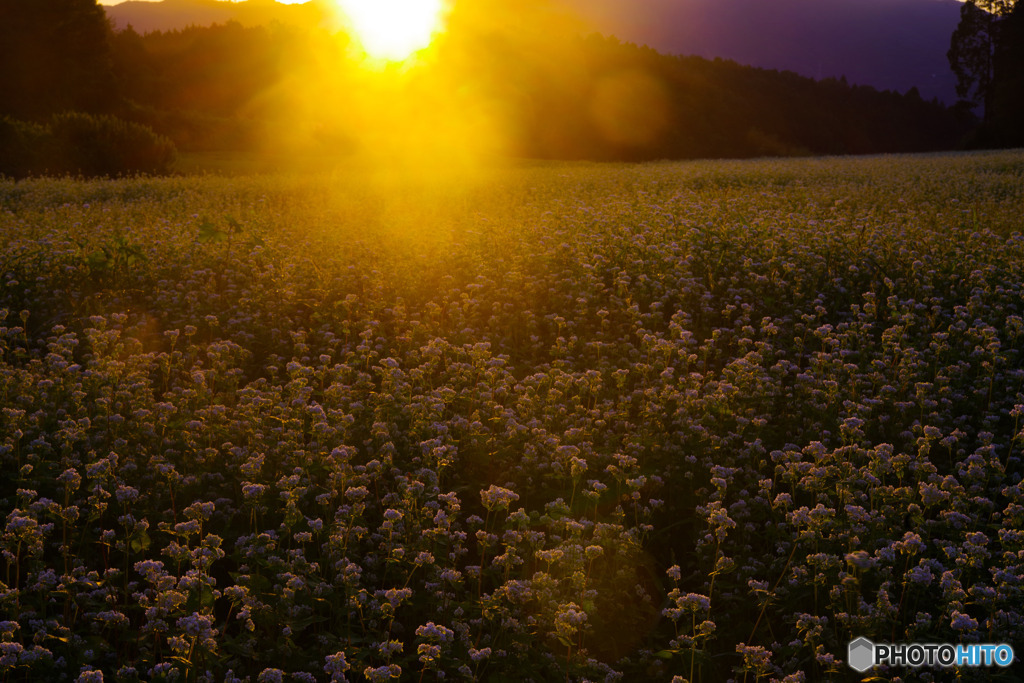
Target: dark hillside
{"x": 887, "y": 44}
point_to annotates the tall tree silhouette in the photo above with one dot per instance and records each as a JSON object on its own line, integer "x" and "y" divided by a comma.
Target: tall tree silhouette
{"x": 54, "y": 56}
{"x": 973, "y": 48}
{"x": 1007, "y": 118}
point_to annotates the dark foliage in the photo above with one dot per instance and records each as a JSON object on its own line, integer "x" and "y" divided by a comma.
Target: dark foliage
{"x": 54, "y": 56}
{"x": 234, "y": 88}
{"x": 204, "y": 87}
{"x": 987, "y": 55}
{"x": 1008, "y": 82}
{"x": 210, "y": 87}
{"x": 630, "y": 103}
{"x": 81, "y": 144}
{"x": 22, "y": 147}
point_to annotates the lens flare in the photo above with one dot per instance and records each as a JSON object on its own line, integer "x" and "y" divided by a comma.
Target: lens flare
{"x": 393, "y": 29}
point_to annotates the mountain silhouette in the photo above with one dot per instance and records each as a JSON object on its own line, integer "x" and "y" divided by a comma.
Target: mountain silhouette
{"x": 171, "y": 15}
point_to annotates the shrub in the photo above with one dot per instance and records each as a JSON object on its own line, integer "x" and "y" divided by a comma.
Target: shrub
{"x": 82, "y": 144}
{"x": 22, "y": 147}
{"x": 105, "y": 145}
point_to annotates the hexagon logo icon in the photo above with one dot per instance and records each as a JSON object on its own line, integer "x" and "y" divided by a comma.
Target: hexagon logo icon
{"x": 861, "y": 654}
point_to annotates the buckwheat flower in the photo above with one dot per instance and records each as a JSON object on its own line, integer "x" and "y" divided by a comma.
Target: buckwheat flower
{"x": 861, "y": 560}
{"x": 270, "y": 676}
{"x": 336, "y": 666}
{"x": 754, "y": 656}
{"x": 382, "y": 673}
{"x": 126, "y": 494}
{"x": 694, "y": 602}
{"x": 826, "y": 659}
{"x": 921, "y": 574}
{"x": 112, "y": 618}
{"x": 911, "y": 543}
{"x": 963, "y": 622}
{"x": 161, "y": 669}
{"x": 519, "y": 517}
{"x": 178, "y": 644}
{"x": 549, "y": 556}
{"x": 479, "y": 655}
{"x": 356, "y": 493}
{"x": 428, "y": 654}
{"x": 975, "y": 540}
{"x": 10, "y": 653}
{"x": 577, "y": 466}
{"x": 451, "y": 575}
{"x": 569, "y": 618}
{"x": 573, "y": 527}
{"x": 200, "y": 510}
{"x": 396, "y": 595}
{"x": 497, "y": 498}
{"x": 433, "y": 631}
{"x": 981, "y": 591}
{"x": 187, "y": 528}
{"x": 886, "y": 554}
{"x": 706, "y": 628}
{"x": 196, "y": 624}
{"x": 71, "y": 479}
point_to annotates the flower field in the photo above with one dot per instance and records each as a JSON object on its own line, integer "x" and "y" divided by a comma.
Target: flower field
{"x": 563, "y": 422}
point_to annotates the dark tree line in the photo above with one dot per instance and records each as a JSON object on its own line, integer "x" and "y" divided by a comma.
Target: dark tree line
{"x": 54, "y": 56}
{"x": 205, "y": 87}
{"x": 987, "y": 55}
{"x": 230, "y": 87}
{"x": 620, "y": 101}
{"x": 586, "y": 98}
{"x": 60, "y": 98}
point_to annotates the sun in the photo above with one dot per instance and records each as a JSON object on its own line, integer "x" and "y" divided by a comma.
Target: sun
{"x": 393, "y": 29}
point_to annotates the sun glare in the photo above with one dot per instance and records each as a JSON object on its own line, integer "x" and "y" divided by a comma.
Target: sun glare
{"x": 393, "y": 29}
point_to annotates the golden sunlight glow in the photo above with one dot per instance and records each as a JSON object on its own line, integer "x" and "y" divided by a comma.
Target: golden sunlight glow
{"x": 393, "y": 29}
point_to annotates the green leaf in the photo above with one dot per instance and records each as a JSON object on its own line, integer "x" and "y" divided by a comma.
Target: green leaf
{"x": 208, "y": 232}
{"x": 140, "y": 541}
{"x": 97, "y": 259}
{"x": 200, "y": 598}
{"x": 207, "y": 598}
{"x": 306, "y": 622}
